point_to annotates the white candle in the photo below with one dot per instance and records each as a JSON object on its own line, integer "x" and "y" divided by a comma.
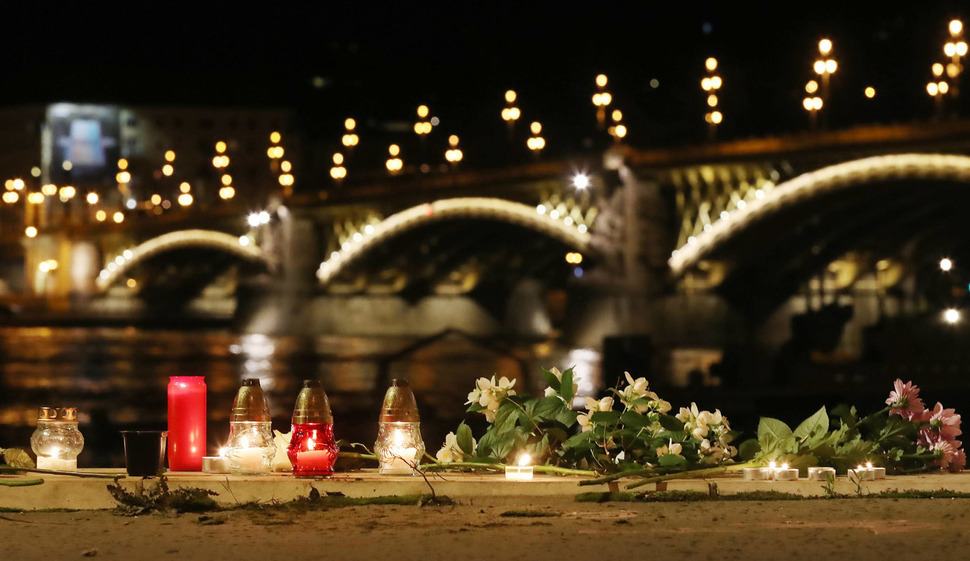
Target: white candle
{"x": 816, "y": 473}
{"x": 756, "y": 474}
{"x": 784, "y": 473}
{"x": 521, "y": 472}
{"x": 215, "y": 464}
{"x": 48, "y": 462}
{"x": 862, "y": 473}
{"x": 401, "y": 460}
{"x": 248, "y": 460}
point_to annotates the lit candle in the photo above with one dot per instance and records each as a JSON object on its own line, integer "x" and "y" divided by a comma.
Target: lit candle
{"x": 816, "y": 473}
{"x": 59, "y": 464}
{"x": 521, "y": 472}
{"x": 784, "y": 473}
{"x": 216, "y": 464}
{"x": 401, "y": 457}
{"x": 862, "y": 473}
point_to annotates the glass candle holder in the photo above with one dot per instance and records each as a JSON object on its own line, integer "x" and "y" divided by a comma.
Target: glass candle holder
{"x": 250, "y": 445}
{"x": 186, "y": 423}
{"x": 399, "y": 447}
{"x": 313, "y": 449}
{"x": 57, "y": 440}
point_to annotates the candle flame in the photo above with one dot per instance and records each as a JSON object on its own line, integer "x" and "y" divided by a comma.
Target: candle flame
{"x": 525, "y": 460}
{"x": 858, "y": 467}
{"x": 244, "y": 442}
{"x": 310, "y": 444}
{"x": 868, "y": 465}
{"x": 223, "y": 451}
{"x": 784, "y": 466}
{"x": 772, "y": 465}
{"x": 397, "y": 437}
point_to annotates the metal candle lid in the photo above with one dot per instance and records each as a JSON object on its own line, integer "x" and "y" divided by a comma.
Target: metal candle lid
{"x": 250, "y": 403}
{"x": 312, "y": 405}
{"x": 57, "y": 414}
{"x": 399, "y": 404}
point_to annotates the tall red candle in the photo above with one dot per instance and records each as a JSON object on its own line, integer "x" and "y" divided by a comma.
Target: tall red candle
{"x": 186, "y": 423}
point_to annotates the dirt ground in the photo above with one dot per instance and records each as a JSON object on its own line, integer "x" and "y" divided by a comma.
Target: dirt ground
{"x": 557, "y": 528}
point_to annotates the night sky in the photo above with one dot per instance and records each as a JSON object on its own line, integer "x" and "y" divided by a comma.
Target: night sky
{"x": 378, "y": 61}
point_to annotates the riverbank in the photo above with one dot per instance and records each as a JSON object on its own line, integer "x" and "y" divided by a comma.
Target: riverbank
{"x": 532, "y": 528}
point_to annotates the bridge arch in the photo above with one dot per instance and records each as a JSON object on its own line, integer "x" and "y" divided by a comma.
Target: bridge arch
{"x": 463, "y": 207}
{"x": 239, "y": 246}
{"x": 843, "y": 176}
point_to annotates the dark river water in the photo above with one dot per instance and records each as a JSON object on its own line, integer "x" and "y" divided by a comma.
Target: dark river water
{"x": 117, "y": 379}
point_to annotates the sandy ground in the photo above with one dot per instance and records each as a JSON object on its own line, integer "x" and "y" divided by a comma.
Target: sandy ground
{"x": 856, "y": 529}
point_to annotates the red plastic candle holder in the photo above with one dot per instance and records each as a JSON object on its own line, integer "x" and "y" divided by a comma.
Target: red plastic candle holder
{"x": 186, "y": 423}
{"x": 312, "y": 449}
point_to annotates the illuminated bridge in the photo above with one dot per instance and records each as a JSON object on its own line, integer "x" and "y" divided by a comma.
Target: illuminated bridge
{"x": 703, "y": 247}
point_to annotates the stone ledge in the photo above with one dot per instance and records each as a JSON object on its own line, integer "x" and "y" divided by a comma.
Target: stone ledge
{"x": 66, "y": 492}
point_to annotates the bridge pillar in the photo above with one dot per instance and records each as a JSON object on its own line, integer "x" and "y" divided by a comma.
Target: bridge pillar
{"x": 617, "y": 297}
{"x": 278, "y": 302}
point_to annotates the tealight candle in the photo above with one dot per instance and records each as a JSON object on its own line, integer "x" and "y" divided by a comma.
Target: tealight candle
{"x": 784, "y": 473}
{"x": 216, "y": 464}
{"x": 59, "y": 464}
{"x": 816, "y": 473}
{"x": 756, "y": 474}
{"x": 521, "y": 472}
{"x": 862, "y": 473}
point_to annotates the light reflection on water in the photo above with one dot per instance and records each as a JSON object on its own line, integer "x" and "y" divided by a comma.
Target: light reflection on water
{"x": 117, "y": 378}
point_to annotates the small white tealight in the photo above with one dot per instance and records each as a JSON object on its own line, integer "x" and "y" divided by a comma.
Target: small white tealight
{"x": 816, "y": 473}
{"x": 755, "y": 474}
{"x": 862, "y": 473}
{"x": 784, "y": 473}
{"x": 521, "y": 472}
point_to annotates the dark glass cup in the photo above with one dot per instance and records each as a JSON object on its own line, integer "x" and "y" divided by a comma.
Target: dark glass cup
{"x": 144, "y": 451}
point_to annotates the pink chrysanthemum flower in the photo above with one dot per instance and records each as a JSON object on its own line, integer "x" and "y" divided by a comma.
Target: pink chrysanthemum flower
{"x": 959, "y": 461}
{"x": 944, "y": 422}
{"x": 904, "y": 399}
{"x": 948, "y": 451}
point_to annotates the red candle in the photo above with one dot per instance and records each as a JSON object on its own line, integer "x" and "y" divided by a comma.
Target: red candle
{"x": 313, "y": 449}
{"x": 186, "y": 423}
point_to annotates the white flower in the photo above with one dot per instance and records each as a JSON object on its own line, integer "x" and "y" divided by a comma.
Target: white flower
{"x": 620, "y": 457}
{"x": 592, "y": 406}
{"x": 490, "y": 393}
{"x": 549, "y": 392}
{"x": 672, "y": 448}
{"x": 451, "y": 452}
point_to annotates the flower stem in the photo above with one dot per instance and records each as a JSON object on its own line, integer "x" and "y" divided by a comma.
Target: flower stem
{"x": 501, "y": 467}
{"x": 9, "y": 469}
{"x": 357, "y": 456}
{"x": 693, "y": 473}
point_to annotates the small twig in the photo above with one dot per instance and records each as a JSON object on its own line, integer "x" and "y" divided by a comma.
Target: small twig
{"x": 692, "y": 473}
{"x": 9, "y": 469}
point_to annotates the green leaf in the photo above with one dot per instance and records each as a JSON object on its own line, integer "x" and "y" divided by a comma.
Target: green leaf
{"x": 544, "y": 409}
{"x": 671, "y": 423}
{"x": 567, "y": 416}
{"x": 566, "y": 388}
{"x": 748, "y": 450}
{"x": 551, "y": 379}
{"x": 505, "y": 418}
{"x": 463, "y": 437}
{"x": 605, "y": 417}
{"x": 634, "y": 420}
{"x": 670, "y": 460}
{"x": 475, "y": 407}
{"x": 577, "y": 440}
{"x": 813, "y": 428}
{"x": 771, "y": 431}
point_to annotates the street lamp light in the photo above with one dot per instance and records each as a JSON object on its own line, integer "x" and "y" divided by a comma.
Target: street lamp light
{"x": 824, "y": 66}
{"x": 617, "y": 130}
{"x": 812, "y": 103}
{"x": 711, "y": 83}
{"x": 349, "y": 138}
{"x": 536, "y": 143}
{"x": 601, "y": 99}
{"x": 394, "y": 164}
{"x": 453, "y": 154}
{"x": 511, "y": 113}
